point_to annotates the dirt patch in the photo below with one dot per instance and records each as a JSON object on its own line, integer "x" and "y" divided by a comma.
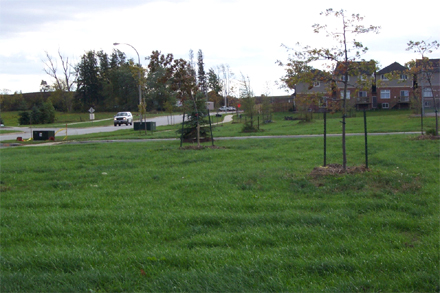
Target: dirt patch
{"x": 334, "y": 169}
{"x": 427, "y": 137}
{"x": 202, "y": 147}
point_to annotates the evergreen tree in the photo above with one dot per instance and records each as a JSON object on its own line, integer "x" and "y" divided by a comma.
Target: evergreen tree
{"x": 201, "y": 74}
{"x": 89, "y": 85}
{"x": 35, "y": 115}
{"x": 24, "y": 118}
{"x": 47, "y": 112}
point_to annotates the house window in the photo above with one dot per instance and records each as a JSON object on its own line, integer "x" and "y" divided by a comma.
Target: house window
{"x": 385, "y": 106}
{"x": 404, "y": 93}
{"x": 343, "y": 78}
{"x": 427, "y": 104}
{"x": 348, "y": 94}
{"x": 385, "y": 94}
{"x": 362, "y": 94}
{"x": 383, "y": 77}
{"x": 427, "y": 93}
{"x": 316, "y": 84}
{"x": 403, "y": 77}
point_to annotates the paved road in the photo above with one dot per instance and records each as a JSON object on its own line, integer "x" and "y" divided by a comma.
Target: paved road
{"x": 25, "y": 132}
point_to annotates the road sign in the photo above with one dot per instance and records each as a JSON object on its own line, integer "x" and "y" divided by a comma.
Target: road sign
{"x": 91, "y": 110}
{"x": 239, "y": 105}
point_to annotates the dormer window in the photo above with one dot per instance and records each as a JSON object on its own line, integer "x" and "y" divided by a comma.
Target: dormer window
{"x": 316, "y": 84}
{"x": 383, "y": 77}
{"x": 403, "y": 77}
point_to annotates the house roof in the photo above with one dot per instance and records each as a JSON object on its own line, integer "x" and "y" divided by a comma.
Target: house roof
{"x": 434, "y": 63}
{"x": 391, "y": 68}
{"x": 357, "y": 67}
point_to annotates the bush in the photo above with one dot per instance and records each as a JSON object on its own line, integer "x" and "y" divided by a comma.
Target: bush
{"x": 40, "y": 114}
{"x": 24, "y": 118}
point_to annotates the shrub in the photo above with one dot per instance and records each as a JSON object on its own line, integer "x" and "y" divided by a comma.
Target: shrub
{"x": 40, "y": 114}
{"x": 24, "y": 118}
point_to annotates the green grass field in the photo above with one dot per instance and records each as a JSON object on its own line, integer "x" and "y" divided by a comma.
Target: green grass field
{"x": 247, "y": 216}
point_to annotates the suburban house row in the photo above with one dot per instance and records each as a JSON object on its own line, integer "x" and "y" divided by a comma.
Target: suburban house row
{"x": 389, "y": 88}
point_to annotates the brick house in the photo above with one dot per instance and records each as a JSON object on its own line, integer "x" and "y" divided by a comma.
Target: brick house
{"x": 279, "y": 103}
{"x": 360, "y": 88}
{"x": 393, "y": 93}
{"x": 427, "y": 83}
{"x": 388, "y": 88}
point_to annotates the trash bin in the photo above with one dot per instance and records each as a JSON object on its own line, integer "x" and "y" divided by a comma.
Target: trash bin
{"x": 151, "y": 126}
{"x": 43, "y": 134}
{"x": 144, "y": 126}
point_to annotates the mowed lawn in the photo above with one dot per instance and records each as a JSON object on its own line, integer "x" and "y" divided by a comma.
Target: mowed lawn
{"x": 247, "y": 216}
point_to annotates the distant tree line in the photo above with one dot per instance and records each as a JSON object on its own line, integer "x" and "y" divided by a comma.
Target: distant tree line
{"x": 110, "y": 82}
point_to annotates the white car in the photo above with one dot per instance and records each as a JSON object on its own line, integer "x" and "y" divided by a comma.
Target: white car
{"x": 123, "y": 118}
{"x": 223, "y": 108}
{"x": 231, "y": 108}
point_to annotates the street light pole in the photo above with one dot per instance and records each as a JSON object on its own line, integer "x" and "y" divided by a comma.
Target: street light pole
{"x": 139, "y": 73}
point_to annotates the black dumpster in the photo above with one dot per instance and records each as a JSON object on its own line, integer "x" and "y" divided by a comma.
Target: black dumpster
{"x": 144, "y": 126}
{"x": 43, "y": 134}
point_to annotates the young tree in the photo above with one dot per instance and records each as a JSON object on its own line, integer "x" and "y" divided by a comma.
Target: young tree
{"x": 248, "y": 104}
{"x": 423, "y": 71}
{"x": 266, "y": 105}
{"x": 169, "y": 110}
{"x": 142, "y": 107}
{"x": 343, "y": 58}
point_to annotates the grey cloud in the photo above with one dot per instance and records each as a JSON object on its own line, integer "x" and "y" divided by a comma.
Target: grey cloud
{"x": 19, "y": 64}
{"x": 28, "y": 15}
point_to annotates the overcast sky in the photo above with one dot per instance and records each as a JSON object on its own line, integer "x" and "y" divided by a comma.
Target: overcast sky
{"x": 245, "y": 34}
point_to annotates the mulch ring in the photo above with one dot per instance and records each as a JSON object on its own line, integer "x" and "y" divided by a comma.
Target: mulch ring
{"x": 335, "y": 169}
{"x": 202, "y": 147}
{"x": 430, "y": 137}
